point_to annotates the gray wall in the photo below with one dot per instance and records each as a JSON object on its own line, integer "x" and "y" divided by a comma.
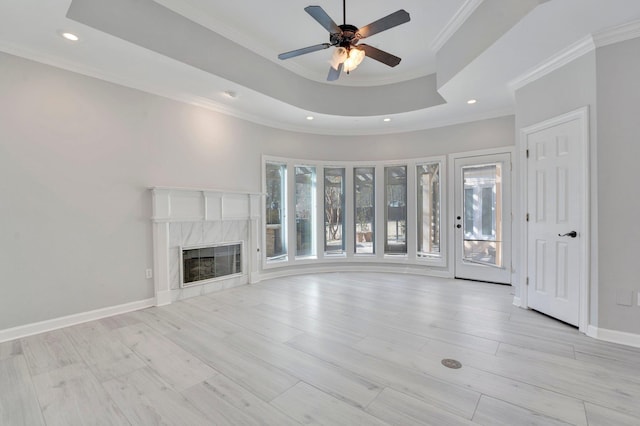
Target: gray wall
{"x": 618, "y": 89}
{"x": 607, "y": 81}
{"x": 78, "y": 154}
{"x": 566, "y": 89}
{"x": 489, "y": 22}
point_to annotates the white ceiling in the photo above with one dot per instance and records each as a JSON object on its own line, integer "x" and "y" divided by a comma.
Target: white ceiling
{"x": 31, "y": 28}
{"x": 270, "y": 28}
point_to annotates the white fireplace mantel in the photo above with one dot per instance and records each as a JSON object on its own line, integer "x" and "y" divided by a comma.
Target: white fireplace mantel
{"x": 198, "y": 208}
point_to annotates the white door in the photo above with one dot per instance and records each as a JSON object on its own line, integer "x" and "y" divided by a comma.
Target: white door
{"x": 482, "y": 221}
{"x": 556, "y": 204}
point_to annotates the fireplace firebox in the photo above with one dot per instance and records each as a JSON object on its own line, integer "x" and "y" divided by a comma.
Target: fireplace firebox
{"x": 201, "y": 264}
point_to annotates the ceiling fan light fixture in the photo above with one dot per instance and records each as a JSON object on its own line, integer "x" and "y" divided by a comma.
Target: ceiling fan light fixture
{"x": 339, "y": 56}
{"x": 354, "y": 58}
{"x": 345, "y": 37}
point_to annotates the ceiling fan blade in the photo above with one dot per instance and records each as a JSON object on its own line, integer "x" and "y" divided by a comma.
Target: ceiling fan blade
{"x": 303, "y": 51}
{"x": 323, "y": 19}
{"x": 396, "y": 18}
{"x": 379, "y": 55}
{"x": 334, "y": 74}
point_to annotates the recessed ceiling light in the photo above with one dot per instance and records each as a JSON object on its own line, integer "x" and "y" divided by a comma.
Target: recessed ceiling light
{"x": 309, "y": 117}
{"x": 230, "y": 94}
{"x": 471, "y": 101}
{"x": 70, "y": 36}
{"x": 386, "y": 120}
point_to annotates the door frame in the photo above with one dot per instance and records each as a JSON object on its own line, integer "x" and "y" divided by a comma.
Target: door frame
{"x": 581, "y": 114}
{"x": 451, "y": 202}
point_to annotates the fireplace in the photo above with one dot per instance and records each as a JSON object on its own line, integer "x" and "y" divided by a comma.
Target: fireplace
{"x": 202, "y": 264}
{"x": 204, "y": 241}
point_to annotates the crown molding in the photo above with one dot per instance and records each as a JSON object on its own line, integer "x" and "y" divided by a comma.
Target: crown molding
{"x": 146, "y": 87}
{"x": 454, "y": 24}
{"x": 556, "y": 61}
{"x": 623, "y": 32}
{"x": 617, "y": 34}
{"x": 232, "y": 111}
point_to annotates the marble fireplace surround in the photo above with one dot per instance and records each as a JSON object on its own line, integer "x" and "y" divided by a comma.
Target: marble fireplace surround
{"x": 184, "y": 217}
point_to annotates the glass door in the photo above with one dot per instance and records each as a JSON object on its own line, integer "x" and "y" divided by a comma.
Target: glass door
{"x": 483, "y": 218}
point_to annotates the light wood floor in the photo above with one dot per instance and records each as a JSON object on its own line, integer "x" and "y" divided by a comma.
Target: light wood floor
{"x": 344, "y": 348}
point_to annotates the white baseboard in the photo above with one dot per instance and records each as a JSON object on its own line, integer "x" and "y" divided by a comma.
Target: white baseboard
{"x": 323, "y": 269}
{"x": 517, "y": 301}
{"x": 69, "y": 320}
{"x": 254, "y": 277}
{"x": 163, "y": 298}
{"x": 613, "y": 336}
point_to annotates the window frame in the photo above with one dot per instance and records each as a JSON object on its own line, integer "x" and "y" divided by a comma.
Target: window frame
{"x": 342, "y": 210}
{"x": 313, "y": 213}
{"x": 373, "y": 236}
{"x": 284, "y": 257}
{"x": 441, "y": 204}
{"x": 387, "y": 206}
{"x": 437, "y": 265}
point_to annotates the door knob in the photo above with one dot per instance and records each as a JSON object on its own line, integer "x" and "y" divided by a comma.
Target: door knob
{"x": 571, "y": 234}
{"x": 458, "y": 226}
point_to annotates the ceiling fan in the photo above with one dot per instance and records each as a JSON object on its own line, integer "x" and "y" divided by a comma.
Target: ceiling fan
{"x": 349, "y": 54}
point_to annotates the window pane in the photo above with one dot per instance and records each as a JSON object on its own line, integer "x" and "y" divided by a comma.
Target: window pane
{"x": 305, "y": 210}
{"x": 275, "y": 238}
{"x": 364, "y": 190}
{"x": 333, "y": 211}
{"x": 482, "y": 202}
{"x": 428, "y": 201}
{"x": 487, "y": 211}
{"x": 468, "y": 211}
{"x": 395, "y": 181}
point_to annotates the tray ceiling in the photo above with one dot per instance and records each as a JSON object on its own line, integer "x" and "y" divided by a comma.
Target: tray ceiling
{"x": 196, "y": 50}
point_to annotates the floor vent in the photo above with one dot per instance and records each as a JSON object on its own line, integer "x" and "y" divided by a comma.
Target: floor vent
{"x": 451, "y": 363}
